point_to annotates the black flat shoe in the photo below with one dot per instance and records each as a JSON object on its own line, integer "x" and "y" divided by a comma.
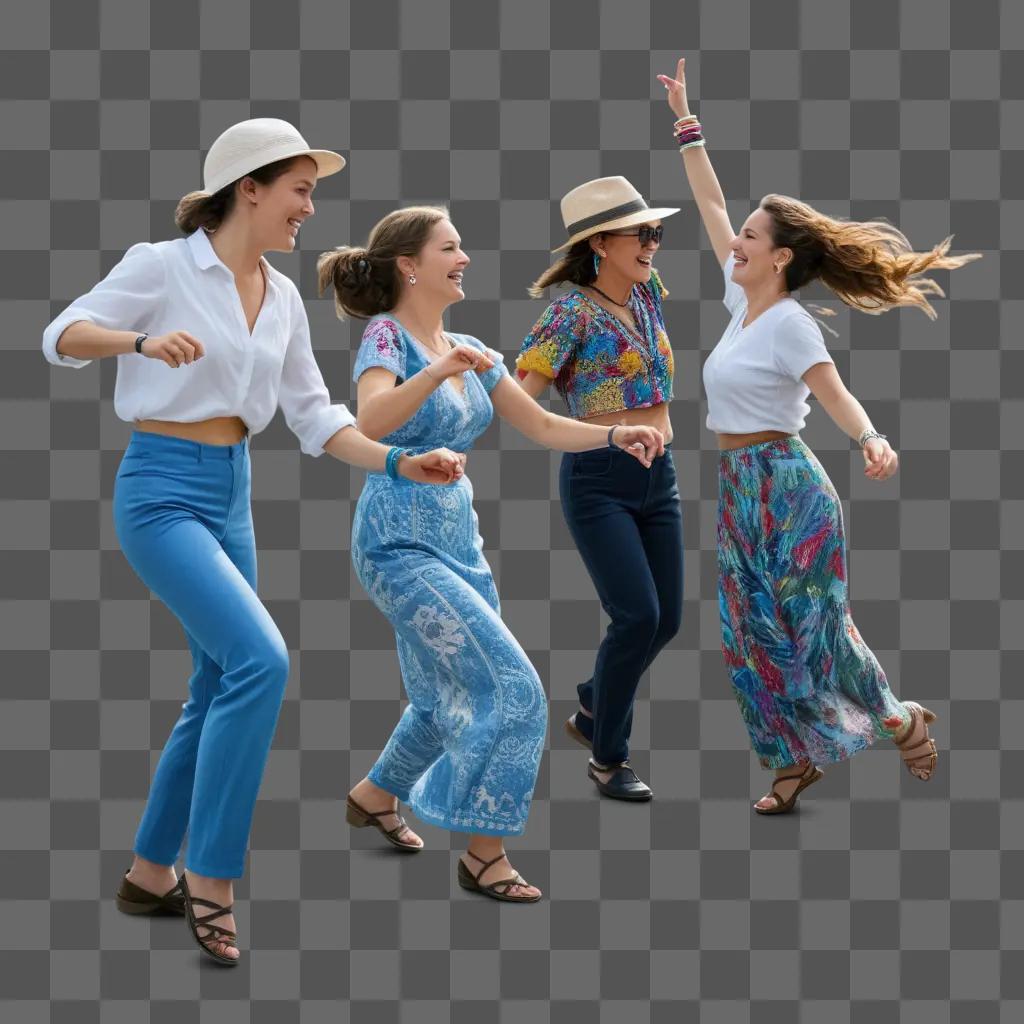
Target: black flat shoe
{"x": 574, "y": 731}
{"x": 622, "y": 784}
{"x": 131, "y": 899}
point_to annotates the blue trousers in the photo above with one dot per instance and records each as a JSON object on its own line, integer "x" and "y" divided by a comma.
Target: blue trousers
{"x": 184, "y": 521}
{"x": 627, "y": 523}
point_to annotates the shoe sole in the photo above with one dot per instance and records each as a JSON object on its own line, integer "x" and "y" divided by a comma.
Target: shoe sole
{"x": 639, "y": 799}
{"x": 137, "y": 909}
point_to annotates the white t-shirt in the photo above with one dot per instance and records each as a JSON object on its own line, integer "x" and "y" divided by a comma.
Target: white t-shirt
{"x": 182, "y": 285}
{"x": 752, "y": 376}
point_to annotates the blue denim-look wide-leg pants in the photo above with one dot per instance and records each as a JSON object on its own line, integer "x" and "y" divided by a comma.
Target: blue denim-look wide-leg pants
{"x": 183, "y": 517}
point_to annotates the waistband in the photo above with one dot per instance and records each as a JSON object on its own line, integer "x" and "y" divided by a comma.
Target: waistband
{"x": 782, "y": 445}
{"x": 163, "y": 444}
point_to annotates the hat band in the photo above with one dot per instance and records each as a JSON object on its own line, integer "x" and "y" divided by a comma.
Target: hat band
{"x": 633, "y": 206}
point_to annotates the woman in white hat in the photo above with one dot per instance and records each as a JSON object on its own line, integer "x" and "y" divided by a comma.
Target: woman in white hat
{"x": 809, "y": 689}
{"x": 466, "y": 751}
{"x": 604, "y": 346}
{"x": 210, "y": 340}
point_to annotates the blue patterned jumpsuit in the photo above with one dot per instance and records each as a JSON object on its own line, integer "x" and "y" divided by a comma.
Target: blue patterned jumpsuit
{"x": 466, "y": 750}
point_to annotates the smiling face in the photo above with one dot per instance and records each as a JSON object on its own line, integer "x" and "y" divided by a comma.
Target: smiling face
{"x": 756, "y": 254}
{"x": 625, "y": 254}
{"x": 438, "y": 267}
{"x": 281, "y": 207}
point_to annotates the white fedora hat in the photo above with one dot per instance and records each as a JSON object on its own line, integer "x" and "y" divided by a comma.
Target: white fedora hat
{"x": 603, "y": 205}
{"x": 255, "y": 143}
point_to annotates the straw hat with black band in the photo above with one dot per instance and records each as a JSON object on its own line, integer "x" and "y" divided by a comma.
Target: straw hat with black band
{"x": 255, "y": 143}
{"x": 605, "y": 204}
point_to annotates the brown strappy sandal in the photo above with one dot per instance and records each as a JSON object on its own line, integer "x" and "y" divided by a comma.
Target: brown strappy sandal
{"x": 132, "y": 899}
{"x": 359, "y": 817}
{"x": 807, "y": 776}
{"x": 471, "y": 882}
{"x": 919, "y": 755}
{"x": 214, "y": 932}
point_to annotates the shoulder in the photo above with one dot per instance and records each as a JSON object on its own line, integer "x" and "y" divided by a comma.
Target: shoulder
{"x": 569, "y": 313}
{"x": 384, "y": 331}
{"x": 794, "y": 319}
{"x": 466, "y": 339}
{"x": 656, "y": 286}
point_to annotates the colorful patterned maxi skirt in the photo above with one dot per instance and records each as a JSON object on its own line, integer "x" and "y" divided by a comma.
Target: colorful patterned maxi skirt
{"x": 808, "y": 686}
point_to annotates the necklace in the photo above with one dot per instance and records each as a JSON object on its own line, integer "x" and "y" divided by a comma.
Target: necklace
{"x": 621, "y": 305}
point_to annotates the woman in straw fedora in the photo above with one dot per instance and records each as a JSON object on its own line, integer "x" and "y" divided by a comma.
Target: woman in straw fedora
{"x": 466, "y": 751}
{"x": 605, "y": 347}
{"x": 210, "y": 340}
{"x": 810, "y": 690}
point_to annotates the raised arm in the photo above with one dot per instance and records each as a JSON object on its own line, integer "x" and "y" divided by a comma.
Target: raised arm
{"x": 701, "y": 175}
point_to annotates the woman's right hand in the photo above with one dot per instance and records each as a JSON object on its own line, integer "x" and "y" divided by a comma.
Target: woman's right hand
{"x": 440, "y": 466}
{"x": 174, "y": 348}
{"x": 460, "y": 359}
{"x": 676, "y": 89}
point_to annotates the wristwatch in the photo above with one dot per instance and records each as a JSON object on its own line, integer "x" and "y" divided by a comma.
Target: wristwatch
{"x": 138, "y": 343}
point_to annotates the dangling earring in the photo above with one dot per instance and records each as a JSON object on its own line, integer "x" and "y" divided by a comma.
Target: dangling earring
{"x": 597, "y": 263}
{"x": 412, "y": 279}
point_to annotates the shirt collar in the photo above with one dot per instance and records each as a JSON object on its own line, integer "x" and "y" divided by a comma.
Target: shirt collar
{"x": 206, "y": 256}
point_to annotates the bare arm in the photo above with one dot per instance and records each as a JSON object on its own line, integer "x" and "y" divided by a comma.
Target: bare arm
{"x": 701, "y": 175}
{"x": 848, "y": 414}
{"x": 534, "y": 383}
{"x": 382, "y": 407}
{"x": 517, "y": 408}
{"x": 86, "y": 340}
{"x": 440, "y": 466}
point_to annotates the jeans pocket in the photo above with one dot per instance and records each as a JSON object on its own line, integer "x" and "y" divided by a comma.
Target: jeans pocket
{"x": 597, "y": 462}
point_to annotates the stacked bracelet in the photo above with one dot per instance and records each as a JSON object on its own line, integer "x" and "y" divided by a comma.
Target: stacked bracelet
{"x": 688, "y": 132}
{"x": 391, "y": 461}
{"x": 866, "y": 436}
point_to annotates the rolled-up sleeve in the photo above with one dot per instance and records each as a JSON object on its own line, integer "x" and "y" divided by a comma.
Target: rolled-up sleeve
{"x": 125, "y": 300}
{"x": 303, "y": 397}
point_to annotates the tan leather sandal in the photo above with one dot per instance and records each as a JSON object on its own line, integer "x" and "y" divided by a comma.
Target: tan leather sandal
{"x": 359, "y": 817}
{"x": 807, "y": 776}
{"x": 498, "y": 890}
{"x": 213, "y": 933}
{"x": 917, "y": 748}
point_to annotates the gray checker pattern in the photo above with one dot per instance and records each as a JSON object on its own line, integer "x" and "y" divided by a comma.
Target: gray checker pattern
{"x": 884, "y": 900}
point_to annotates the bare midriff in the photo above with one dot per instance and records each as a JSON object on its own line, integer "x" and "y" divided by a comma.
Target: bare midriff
{"x": 655, "y": 416}
{"x": 727, "y": 442}
{"x": 218, "y": 430}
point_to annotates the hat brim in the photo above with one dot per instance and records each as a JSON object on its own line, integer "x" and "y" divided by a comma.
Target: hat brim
{"x": 326, "y": 160}
{"x": 640, "y": 217}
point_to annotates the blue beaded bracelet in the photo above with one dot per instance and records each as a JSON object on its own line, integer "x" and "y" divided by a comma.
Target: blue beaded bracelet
{"x": 391, "y": 462}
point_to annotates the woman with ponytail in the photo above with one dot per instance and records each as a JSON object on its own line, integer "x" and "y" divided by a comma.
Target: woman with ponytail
{"x": 810, "y": 690}
{"x": 210, "y": 340}
{"x": 465, "y": 753}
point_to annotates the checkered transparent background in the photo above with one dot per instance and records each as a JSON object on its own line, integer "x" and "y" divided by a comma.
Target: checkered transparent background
{"x": 884, "y": 899}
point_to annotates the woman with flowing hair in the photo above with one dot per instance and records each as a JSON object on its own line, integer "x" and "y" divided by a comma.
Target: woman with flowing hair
{"x": 466, "y": 750}
{"x": 210, "y": 341}
{"x": 809, "y": 689}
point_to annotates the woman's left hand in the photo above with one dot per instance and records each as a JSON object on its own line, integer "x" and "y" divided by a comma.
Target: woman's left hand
{"x": 643, "y": 443}
{"x": 880, "y": 461}
{"x": 440, "y": 466}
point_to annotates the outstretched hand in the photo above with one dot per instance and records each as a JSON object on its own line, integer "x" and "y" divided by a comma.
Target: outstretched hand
{"x": 676, "y": 89}
{"x": 440, "y": 466}
{"x": 880, "y": 461}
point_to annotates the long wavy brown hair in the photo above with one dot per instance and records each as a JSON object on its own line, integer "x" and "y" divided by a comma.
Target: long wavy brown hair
{"x": 870, "y": 265}
{"x": 365, "y": 278}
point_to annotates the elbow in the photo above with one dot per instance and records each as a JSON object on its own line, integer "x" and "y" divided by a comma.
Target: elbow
{"x": 369, "y": 426}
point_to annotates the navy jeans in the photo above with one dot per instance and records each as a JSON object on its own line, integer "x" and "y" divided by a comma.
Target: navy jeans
{"x": 627, "y": 523}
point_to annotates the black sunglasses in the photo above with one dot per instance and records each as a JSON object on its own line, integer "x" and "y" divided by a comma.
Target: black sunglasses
{"x": 645, "y": 233}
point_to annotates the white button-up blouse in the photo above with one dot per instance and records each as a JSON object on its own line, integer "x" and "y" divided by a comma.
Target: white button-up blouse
{"x": 182, "y": 285}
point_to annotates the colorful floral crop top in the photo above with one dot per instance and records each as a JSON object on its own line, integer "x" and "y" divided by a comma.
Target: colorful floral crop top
{"x": 597, "y": 363}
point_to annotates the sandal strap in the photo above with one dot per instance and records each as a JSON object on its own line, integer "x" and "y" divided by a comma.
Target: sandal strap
{"x": 207, "y": 918}
{"x": 216, "y": 934}
{"x": 923, "y": 749}
{"x": 486, "y": 865}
